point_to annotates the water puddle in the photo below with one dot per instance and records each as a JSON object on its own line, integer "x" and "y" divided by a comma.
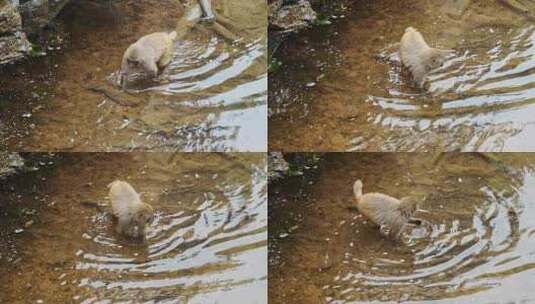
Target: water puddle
{"x": 212, "y": 97}
{"x": 207, "y": 244}
{"x": 476, "y": 243}
{"x": 348, "y": 91}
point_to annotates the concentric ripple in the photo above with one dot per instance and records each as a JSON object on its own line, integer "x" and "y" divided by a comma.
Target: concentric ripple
{"x": 211, "y": 97}
{"x": 203, "y": 241}
{"x": 476, "y": 243}
{"x": 207, "y": 243}
{"x": 481, "y": 99}
{"x": 481, "y": 95}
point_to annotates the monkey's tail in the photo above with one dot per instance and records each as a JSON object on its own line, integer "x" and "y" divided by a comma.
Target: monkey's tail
{"x": 357, "y": 190}
{"x": 173, "y": 35}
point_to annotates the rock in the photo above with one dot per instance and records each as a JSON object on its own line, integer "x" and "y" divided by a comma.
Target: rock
{"x": 9, "y": 18}
{"x": 278, "y": 167}
{"x": 38, "y": 13}
{"x": 10, "y": 163}
{"x": 292, "y": 17}
{"x": 13, "y": 42}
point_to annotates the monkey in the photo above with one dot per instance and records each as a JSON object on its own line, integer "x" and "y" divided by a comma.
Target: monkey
{"x": 149, "y": 55}
{"x": 132, "y": 214}
{"x": 418, "y": 57}
{"x": 146, "y": 57}
{"x": 389, "y": 213}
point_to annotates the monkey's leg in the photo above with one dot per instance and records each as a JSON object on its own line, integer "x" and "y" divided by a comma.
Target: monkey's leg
{"x": 385, "y": 231}
{"x": 122, "y": 226}
{"x": 151, "y": 68}
{"x": 165, "y": 59}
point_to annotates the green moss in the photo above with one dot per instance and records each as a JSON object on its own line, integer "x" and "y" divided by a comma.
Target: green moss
{"x": 274, "y": 65}
{"x": 36, "y": 51}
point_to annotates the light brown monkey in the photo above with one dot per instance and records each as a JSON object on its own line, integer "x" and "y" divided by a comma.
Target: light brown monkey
{"x": 147, "y": 57}
{"x": 418, "y": 56}
{"x": 132, "y": 214}
{"x": 389, "y": 213}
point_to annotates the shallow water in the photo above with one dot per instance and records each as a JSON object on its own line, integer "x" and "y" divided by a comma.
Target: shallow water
{"x": 207, "y": 244}
{"x": 212, "y": 97}
{"x": 476, "y": 243}
{"x": 342, "y": 87}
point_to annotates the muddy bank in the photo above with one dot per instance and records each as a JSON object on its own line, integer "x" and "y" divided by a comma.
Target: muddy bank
{"x": 211, "y": 97}
{"x": 207, "y": 243}
{"x": 475, "y": 243}
{"x": 342, "y": 87}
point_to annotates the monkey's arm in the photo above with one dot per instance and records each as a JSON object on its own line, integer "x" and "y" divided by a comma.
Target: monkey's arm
{"x": 151, "y": 67}
{"x": 124, "y": 225}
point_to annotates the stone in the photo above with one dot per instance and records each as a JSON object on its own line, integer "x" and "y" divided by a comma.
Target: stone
{"x": 9, "y": 163}
{"x": 278, "y": 167}
{"x": 292, "y": 17}
{"x": 36, "y": 14}
{"x": 13, "y": 42}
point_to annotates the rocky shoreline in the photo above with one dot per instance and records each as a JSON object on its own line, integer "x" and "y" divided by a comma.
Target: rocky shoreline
{"x": 20, "y": 18}
{"x": 13, "y": 42}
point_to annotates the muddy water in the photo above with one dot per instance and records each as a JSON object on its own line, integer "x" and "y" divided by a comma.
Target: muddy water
{"x": 211, "y": 97}
{"x": 207, "y": 244}
{"x": 476, "y": 243}
{"x": 342, "y": 87}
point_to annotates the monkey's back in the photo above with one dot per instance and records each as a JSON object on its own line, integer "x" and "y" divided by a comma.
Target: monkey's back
{"x": 150, "y": 47}
{"x": 123, "y": 197}
{"x": 159, "y": 42}
{"x": 414, "y": 52}
{"x": 382, "y": 209}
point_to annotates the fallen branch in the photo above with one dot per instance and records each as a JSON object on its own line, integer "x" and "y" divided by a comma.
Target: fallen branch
{"x": 110, "y": 96}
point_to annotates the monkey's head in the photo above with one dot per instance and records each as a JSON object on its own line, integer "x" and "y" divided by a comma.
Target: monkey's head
{"x": 408, "y": 205}
{"x": 145, "y": 215}
{"x": 437, "y": 58}
{"x": 133, "y": 69}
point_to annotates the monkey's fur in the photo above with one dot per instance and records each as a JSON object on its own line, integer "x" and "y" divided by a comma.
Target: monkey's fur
{"x": 387, "y": 212}
{"x": 146, "y": 57}
{"x": 418, "y": 57}
{"x": 132, "y": 214}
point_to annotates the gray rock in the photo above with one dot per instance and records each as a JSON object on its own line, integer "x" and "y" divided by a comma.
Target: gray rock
{"x": 38, "y": 13}
{"x": 9, "y": 18}
{"x": 291, "y": 17}
{"x": 278, "y": 167}
{"x": 13, "y": 42}
{"x": 10, "y": 163}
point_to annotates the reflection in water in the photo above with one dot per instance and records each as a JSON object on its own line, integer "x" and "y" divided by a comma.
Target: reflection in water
{"x": 480, "y": 99}
{"x": 207, "y": 243}
{"x": 211, "y": 97}
{"x": 476, "y": 243}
